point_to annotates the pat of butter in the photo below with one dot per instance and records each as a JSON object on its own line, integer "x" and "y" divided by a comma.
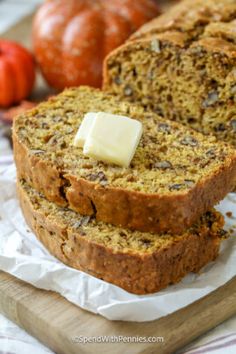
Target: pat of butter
{"x": 84, "y": 128}
{"x": 113, "y": 138}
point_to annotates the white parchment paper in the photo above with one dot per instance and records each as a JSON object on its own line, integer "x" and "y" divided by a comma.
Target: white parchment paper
{"x": 22, "y": 255}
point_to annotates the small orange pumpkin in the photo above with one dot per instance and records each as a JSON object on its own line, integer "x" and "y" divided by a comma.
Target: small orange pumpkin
{"x": 17, "y": 73}
{"x": 72, "y": 37}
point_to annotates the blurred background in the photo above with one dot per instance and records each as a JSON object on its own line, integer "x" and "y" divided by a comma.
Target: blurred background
{"x": 12, "y": 10}
{"x": 32, "y": 68}
{"x": 11, "y": 13}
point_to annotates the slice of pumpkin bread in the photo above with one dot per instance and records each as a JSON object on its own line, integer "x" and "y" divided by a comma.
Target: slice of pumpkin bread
{"x": 175, "y": 176}
{"x": 183, "y": 66}
{"x": 138, "y": 262}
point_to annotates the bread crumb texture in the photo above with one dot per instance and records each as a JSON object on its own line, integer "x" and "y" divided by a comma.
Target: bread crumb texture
{"x": 138, "y": 262}
{"x": 169, "y": 158}
{"x": 176, "y": 174}
{"x": 183, "y": 66}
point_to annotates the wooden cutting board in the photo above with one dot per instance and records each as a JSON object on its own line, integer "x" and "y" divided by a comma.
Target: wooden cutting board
{"x": 54, "y": 321}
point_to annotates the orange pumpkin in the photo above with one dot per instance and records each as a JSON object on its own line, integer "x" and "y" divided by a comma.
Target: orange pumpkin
{"x": 17, "y": 73}
{"x": 72, "y": 37}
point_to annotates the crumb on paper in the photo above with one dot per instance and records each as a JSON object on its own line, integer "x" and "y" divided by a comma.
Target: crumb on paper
{"x": 229, "y": 214}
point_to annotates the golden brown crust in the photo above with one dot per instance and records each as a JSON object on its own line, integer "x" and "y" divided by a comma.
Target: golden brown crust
{"x": 134, "y": 272}
{"x": 135, "y": 210}
{"x": 216, "y": 45}
{"x": 189, "y": 75}
{"x": 37, "y": 172}
{"x": 188, "y": 16}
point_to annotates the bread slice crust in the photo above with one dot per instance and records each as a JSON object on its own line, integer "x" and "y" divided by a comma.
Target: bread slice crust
{"x": 140, "y": 198}
{"x": 140, "y": 263}
{"x": 182, "y": 65}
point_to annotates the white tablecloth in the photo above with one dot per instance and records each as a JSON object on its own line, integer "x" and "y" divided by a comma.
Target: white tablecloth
{"x": 221, "y": 340}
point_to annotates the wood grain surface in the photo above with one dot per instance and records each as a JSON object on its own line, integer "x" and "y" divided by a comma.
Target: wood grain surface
{"x": 55, "y": 322}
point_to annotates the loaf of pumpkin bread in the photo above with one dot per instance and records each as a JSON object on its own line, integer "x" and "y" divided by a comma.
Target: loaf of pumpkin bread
{"x": 183, "y": 66}
{"x": 140, "y": 263}
{"x": 175, "y": 176}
